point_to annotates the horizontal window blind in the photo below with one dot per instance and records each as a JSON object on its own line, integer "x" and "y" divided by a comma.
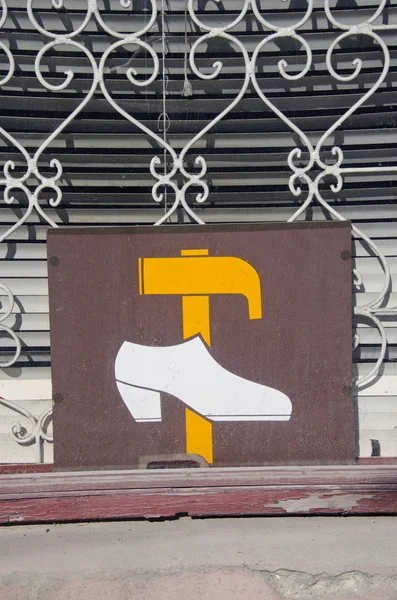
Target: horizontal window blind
{"x": 106, "y": 177}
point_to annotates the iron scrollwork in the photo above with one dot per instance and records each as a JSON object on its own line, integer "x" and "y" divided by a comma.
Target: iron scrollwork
{"x": 170, "y": 171}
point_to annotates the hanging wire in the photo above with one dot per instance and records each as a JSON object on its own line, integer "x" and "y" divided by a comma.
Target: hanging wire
{"x": 187, "y": 86}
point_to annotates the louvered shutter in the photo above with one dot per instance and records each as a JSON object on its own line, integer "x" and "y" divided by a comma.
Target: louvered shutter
{"x": 106, "y": 176}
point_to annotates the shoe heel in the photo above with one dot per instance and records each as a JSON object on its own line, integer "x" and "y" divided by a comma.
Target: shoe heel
{"x": 144, "y": 405}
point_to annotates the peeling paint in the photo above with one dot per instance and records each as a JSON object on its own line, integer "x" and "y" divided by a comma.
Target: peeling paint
{"x": 49, "y": 497}
{"x": 312, "y": 502}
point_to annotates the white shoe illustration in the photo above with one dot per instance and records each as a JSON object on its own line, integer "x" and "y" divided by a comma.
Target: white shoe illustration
{"x": 189, "y": 372}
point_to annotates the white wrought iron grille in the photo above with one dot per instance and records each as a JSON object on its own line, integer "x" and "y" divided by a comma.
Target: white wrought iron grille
{"x": 121, "y": 112}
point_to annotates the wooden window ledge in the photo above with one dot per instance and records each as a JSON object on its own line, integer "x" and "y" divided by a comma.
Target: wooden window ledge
{"x": 274, "y": 491}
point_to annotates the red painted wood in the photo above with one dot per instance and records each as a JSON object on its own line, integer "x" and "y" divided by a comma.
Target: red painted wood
{"x": 197, "y": 503}
{"x": 7, "y": 469}
{"x": 51, "y": 497}
{"x": 378, "y": 460}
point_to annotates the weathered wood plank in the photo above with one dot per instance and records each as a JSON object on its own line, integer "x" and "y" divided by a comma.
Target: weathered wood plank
{"x": 49, "y": 497}
{"x": 200, "y": 502}
{"x": 189, "y": 478}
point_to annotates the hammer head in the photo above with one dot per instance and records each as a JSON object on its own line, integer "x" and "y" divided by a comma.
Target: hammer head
{"x": 195, "y": 273}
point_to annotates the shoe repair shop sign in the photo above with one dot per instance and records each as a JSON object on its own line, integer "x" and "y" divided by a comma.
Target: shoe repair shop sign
{"x": 219, "y": 345}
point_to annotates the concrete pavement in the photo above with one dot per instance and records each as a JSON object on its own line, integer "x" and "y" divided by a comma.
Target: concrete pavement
{"x": 266, "y": 558}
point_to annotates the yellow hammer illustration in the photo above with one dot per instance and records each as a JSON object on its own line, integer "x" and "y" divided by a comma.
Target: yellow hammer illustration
{"x": 195, "y": 276}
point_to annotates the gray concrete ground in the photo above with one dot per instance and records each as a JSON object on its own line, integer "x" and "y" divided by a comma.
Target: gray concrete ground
{"x": 259, "y": 558}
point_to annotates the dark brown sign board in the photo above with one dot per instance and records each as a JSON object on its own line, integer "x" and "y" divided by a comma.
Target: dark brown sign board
{"x": 231, "y": 344}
